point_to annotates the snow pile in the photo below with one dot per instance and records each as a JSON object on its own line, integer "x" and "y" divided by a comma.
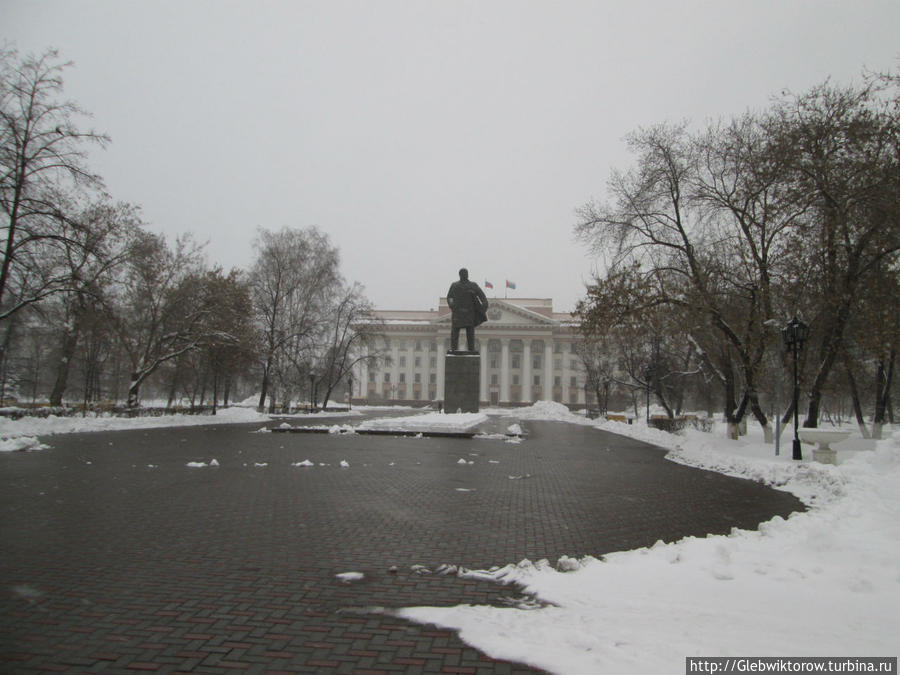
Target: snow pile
{"x": 21, "y": 443}
{"x": 819, "y": 583}
{"x": 459, "y": 422}
{"x": 545, "y": 410}
{"x": 33, "y": 426}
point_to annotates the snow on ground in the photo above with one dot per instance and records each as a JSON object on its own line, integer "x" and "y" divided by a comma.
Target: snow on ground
{"x": 825, "y": 582}
{"x": 427, "y": 422}
{"x": 33, "y": 426}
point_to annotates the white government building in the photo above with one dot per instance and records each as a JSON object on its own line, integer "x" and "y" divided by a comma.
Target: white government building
{"x": 527, "y": 355}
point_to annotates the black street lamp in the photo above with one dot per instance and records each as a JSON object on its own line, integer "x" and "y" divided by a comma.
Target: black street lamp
{"x": 312, "y": 391}
{"x": 795, "y": 334}
{"x": 648, "y": 375}
{"x": 350, "y": 391}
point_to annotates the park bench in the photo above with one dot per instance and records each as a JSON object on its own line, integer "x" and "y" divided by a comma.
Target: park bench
{"x": 824, "y": 453}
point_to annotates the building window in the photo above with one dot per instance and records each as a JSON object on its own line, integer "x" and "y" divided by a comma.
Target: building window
{"x": 536, "y": 362}
{"x": 403, "y": 362}
{"x": 418, "y": 345}
{"x": 515, "y": 379}
{"x": 573, "y": 347}
{"x": 494, "y": 378}
{"x": 432, "y": 379}
{"x": 537, "y": 346}
{"x": 557, "y": 348}
{"x": 418, "y": 378}
{"x": 573, "y": 364}
{"x": 494, "y": 362}
{"x": 515, "y": 362}
{"x": 537, "y": 380}
{"x": 401, "y": 345}
{"x": 557, "y": 364}
{"x": 573, "y": 382}
{"x": 494, "y": 345}
{"x": 371, "y": 376}
{"x": 515, "y": 345}
{"x": 387, "y": 377}
{"x": 433, "y": 362}
{"x": 418, "y": 361}
{"x": 433, "y": 346}
{"x": 403, "y": 378}
{"x": 557, "y": 381}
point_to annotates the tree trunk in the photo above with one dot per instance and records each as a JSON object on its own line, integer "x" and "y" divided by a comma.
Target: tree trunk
{"x": 134, "y": 389}
{"x": 756, "y": 409}
{"x": 883, "y": 381}
{"x": 69, "y": 344}
{"x": 857, "y": 407}
{"x": 264, "y": 387}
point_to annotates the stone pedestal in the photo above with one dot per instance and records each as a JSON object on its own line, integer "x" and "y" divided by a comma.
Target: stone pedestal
{"x": 461, "y": 382}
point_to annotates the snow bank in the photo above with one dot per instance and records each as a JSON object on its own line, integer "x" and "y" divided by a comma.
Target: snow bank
{"x": 820, "y": 583}
{"x": 31, "y": 426}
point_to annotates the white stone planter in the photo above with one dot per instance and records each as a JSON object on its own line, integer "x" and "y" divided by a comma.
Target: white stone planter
{"x": 824, "y": 437}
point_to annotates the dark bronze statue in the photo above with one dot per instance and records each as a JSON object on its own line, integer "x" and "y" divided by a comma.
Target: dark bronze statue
{"x": 469, "y": 306}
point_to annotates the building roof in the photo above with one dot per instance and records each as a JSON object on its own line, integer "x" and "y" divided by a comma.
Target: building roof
{"x": 538, "y": 309}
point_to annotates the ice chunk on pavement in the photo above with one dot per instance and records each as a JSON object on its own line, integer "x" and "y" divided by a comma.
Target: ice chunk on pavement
{"x": 567, "y": 564}
{"x": 514, "y": 429}
{"x": 348, "y": 577}
{"x": 305, "y": 462}
{"x": 197, "y": 465}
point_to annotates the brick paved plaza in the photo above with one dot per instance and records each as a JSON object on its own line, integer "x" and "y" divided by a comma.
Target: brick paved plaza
{"x": 118, "y": 557}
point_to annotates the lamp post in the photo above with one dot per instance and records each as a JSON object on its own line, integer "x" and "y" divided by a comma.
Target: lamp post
{"x": 795, "y": 334}
{"x": 312, "y": 383}
{"x": 648, "y": 374}
{"x": 350, "y": 391}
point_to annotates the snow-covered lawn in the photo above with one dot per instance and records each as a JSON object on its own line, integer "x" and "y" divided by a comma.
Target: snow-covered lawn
{"x": 821, "y": 583}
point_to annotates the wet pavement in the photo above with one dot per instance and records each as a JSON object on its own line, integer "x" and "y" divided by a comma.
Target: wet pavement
{"x": 119, "y": 557}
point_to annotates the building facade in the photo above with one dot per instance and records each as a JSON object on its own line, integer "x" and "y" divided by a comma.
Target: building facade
{"x": 528, "y": 354}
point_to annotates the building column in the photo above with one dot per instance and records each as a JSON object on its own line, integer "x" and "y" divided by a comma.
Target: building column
{"x": 504, "y": 370}
{"x": 548, "y": 369}
{"x": 566, "y": 374}
{"x": 441, "y": 357}
{"x": 395, "y": 371}
{"x": 526, "y": 370}
{"x": 363, "y": 378}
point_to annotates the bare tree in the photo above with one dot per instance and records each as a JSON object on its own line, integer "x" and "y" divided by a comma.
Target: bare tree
{"x": 349, "y": 329}
{"x": 161, "y": 307}
{"x": 42, "y": 158}
{"x": 291, "y": 281}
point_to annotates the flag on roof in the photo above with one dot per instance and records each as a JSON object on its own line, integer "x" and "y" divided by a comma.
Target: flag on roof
{"x": 488, "y": 284}
{"x": 511, "y": 284}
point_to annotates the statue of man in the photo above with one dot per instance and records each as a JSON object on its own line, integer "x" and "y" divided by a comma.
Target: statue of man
{"x": 469, "y": 306}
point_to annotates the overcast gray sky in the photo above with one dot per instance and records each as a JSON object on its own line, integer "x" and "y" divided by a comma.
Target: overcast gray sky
{"x": 421, "y": 135}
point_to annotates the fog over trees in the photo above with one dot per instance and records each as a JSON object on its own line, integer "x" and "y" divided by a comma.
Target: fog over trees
{"x": 711, "y": 241}
{"x": 96, "y": 309}
{"x": 716, "y": 237}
